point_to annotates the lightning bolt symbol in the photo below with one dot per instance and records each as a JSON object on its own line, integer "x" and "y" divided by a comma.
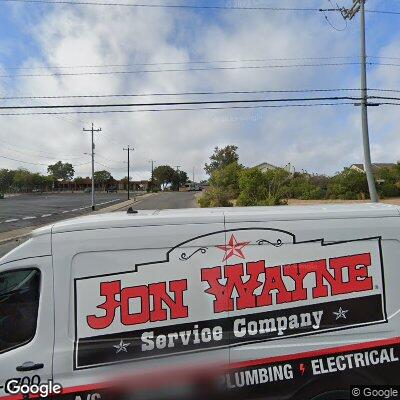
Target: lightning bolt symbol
{"x": 302, "y": 369}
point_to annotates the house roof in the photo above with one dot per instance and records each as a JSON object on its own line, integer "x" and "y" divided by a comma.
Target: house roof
{"x": 265, "y": 165}
{"x": 375, "y": 166}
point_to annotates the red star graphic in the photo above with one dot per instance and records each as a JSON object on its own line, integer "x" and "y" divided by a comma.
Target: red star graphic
{"x": 233, "y": 248}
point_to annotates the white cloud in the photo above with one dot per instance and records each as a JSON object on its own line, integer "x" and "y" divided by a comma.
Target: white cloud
{"x": 317, "y": 139}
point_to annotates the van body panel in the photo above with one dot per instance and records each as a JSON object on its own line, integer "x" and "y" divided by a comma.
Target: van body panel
{"x": 282, "y": 291}
{"x": 37, "y": 246}
{"x": 39, "y": 349}
{"x": 135, "y": 257}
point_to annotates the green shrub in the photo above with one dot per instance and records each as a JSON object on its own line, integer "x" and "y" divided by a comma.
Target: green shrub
{"x": 253, "y": 187}
{"x": 215, "y": 197}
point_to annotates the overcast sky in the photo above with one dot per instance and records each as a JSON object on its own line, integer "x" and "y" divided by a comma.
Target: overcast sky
{"x": 317, "y": 139}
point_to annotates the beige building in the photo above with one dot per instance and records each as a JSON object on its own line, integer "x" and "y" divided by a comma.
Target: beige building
{"x": 375, "y": 166}
{"x": 264, "y": 167}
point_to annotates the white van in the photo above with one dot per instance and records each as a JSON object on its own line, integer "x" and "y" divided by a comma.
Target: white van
{"x": 288, "y": 302}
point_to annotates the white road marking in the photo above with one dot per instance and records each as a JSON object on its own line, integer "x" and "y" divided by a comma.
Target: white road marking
{"x": 46, "y": 215}
{"x": 75, "y": 209}
{"x": 11, "y": 220}
{"x": 107, "y": 202}
{"x": 26, "y": 218}
{"x": 64, "y": 212}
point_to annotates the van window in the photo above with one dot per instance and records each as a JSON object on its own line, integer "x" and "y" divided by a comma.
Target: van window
{"x": 19, "y": 303}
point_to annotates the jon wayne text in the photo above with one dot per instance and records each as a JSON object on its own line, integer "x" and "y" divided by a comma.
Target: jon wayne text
{"x": 332, "y": 277}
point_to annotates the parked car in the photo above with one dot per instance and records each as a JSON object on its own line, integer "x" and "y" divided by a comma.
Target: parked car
{"x": 112, "y": 189}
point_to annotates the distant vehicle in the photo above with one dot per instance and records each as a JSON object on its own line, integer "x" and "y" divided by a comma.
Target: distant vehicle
{"x": 36, "y": 190}
{"x": 112, "y": 189}
{"x": 193, "y": 187}
{"x": 88, "y": 190}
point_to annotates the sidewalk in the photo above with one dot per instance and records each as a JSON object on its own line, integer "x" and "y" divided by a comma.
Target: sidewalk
{"x": 22, "y": 233}
{"x": 124, "y": 205}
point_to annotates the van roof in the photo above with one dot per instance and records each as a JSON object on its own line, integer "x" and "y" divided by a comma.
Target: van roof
{"x": 209, "y": 215}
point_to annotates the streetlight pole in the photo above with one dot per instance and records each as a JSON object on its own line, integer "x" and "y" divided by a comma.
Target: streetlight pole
{"x": 152, "y": 173}
{"x": 92, "y": 131}
{"x": 364, "y": 109}
{"x": 359, "y": 6}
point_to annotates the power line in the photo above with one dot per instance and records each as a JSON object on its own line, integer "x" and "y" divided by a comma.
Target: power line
{"x": 21, "y": 161}
{"x": 232, "y": 61}
{"x": 180, "y": 93}
{"x": 184, "y": 6}
{"x": 179, "y": 103}
{"x": 243, "y": 67}
{"x": 34, "y": 153}
{"x": 107, "y": 159}
{"x": 383, "y": 12}
{"x": 178, "y": 109}
{"x": 324, "y": 10}
{"x": 148, "y": 71}
{"x": 195, "y": 93}
{"x": 103, "y": 165}
{"x": 33, "y": 163}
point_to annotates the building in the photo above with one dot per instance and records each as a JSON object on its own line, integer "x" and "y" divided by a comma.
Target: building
{"x": 264, "y": 167}
{"x": 375, "y": 166}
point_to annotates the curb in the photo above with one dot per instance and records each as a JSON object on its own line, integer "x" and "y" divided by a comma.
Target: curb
{"x": 18, "y": 234}
{"x": 124, "y": 205}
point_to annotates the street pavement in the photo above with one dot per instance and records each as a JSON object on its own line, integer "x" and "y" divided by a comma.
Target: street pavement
{"x": 168, "y": 200}
{"x": 40, "y": 209}
{"x": 163, "y": 200}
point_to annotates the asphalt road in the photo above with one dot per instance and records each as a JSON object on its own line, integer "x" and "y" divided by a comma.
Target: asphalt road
{"x": 165, "y": 200}
{"x": 168, "y": 200}
{"x": 37, "y": 209}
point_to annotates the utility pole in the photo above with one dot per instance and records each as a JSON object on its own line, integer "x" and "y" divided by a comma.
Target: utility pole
{"x": 129, "y": 149}
{"x": 152, "y": 173}
{"x": 193, "y": 175}
{"x": 92, "y": 131}
{"x": 359, "y": 6}
{"x": 179, "y": 180}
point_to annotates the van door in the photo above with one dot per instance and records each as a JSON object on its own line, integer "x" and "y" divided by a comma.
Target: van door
{"x": 148, "y": 268}
{"x": 26, "y": 323}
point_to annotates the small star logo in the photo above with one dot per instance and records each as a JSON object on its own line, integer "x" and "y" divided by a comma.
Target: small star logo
{"x": 233, "y": 248}
{"x": 122, "y": 347}
{"x": 341, "y": 313}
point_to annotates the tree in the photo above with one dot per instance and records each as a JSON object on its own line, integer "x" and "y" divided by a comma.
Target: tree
{"x": 253, "y": 186}
{"x": 102, "y": 177}
{"x": 306, "y": 187}
{"x": 179, "y": 179}
{"x": 6, "y": 179}
{"x": 227, "y": 178}
{"x": 61, "y": 171}
{"x": 164, "y": 175}
{"x": 23, "y": 180}
{"x": 348, "y": 184}
{"x": 221, "y": 158}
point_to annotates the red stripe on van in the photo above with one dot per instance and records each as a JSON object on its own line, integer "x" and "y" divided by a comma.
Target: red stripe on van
{"x": 249, "y": 363}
